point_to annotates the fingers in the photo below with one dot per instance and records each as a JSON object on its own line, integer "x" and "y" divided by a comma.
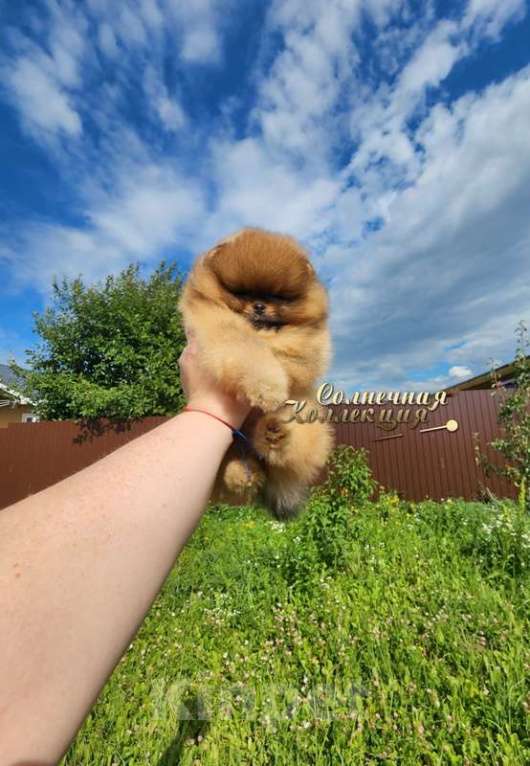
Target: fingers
{"x": 183, "y": 356}
{"x": 189, "y": 354}
{"x": 190, "y": 349}
{"x": 190, "y": 333}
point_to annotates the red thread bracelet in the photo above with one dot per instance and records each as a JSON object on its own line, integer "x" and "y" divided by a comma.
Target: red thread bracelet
{"x": 235, "y": 431}
{"x": 204, "y": 412}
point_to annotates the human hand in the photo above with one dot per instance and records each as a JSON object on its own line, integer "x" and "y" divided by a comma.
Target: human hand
{"x": 203, "y": 392}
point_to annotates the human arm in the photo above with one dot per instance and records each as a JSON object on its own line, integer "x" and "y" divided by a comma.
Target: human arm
{"x": 82, "y": 561}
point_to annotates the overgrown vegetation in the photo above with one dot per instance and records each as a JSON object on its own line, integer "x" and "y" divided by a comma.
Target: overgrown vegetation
{"x": 110, "y": 350}
{"x": 323, "y": 532}
{"x": 514, "y": 417}
{"x": 363, "y": 632}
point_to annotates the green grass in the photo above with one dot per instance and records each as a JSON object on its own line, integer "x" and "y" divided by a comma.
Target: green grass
{"x": 413, "y": 651}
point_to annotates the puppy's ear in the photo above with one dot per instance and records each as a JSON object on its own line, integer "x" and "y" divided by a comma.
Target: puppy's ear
{"x": 208, "y": 255}
{"x": 231, "y": 237}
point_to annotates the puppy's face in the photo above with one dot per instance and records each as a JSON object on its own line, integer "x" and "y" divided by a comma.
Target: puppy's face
{"x": 268, "y": 279}
{"x": 263, "y": 310}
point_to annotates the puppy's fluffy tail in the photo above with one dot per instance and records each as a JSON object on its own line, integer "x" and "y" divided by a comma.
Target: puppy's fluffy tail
{"x": 287, "y": 501}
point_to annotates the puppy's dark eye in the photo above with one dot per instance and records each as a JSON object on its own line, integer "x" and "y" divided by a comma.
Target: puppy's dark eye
{"x": 279, "y": 298}
{"x": 263, "y": 297}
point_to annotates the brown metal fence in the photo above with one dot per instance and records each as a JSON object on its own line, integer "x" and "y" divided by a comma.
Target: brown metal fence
{"x": 35, "y": 455}
{"x": 436, "y": 464}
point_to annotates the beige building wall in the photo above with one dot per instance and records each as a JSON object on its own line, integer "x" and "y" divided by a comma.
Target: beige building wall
{"x": 13, "y": 414}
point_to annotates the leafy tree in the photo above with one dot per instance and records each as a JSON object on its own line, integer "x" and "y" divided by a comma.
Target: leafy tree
{"x": 514, "y": 417}
{"x": 109, "y": 350}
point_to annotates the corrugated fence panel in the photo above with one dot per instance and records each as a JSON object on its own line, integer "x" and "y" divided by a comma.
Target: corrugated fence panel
{"x": 435, "y": 464}
{"x": 35, "y": 455}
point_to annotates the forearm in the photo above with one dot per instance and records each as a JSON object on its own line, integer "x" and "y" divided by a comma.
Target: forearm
{"x": 80, "y": 565}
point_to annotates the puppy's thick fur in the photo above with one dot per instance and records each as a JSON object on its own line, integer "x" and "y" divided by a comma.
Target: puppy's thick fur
{"x": 259, "y": 314}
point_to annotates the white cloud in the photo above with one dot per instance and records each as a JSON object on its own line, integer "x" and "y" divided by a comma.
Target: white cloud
{"x": 201, "y": 43}
{"x": 431, "y": 63}
{"x": 490, "y": 16}
{"x": 169, "y": 112}
{"x": 154, "y": 208}
{"x": 298, "y": 95}
{"x": 151, "y": 208}
{"x": 460, "y": 372}
{"x": 151, "y": 13}
{"x": 442, "y": 280}
{"x": 66, "y": 41}
{"x": 199, "y": 25}
{"x": 130, "y": 27}
{"x": 42, "y": 104}
{"x": 107, "y": 40}
{"x": 252, "y": 189}
{"x": 41, "y": 79}
{"x": 417, "y": 215}
{"x": 379, "y": 119}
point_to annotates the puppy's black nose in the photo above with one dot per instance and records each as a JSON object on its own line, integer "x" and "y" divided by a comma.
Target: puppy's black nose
{"x": 259, "y": 308}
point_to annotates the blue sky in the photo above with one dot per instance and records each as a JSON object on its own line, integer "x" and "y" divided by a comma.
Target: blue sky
{"x": 391, "y": 136}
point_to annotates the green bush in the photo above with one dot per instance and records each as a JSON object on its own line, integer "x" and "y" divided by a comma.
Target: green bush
{"x": 495, "y": 537}
{"x": 502, "y": 541}
{"x": 321, "y": 537}
{"x": 514, "y": 419}
{"x": 349, "y": 479}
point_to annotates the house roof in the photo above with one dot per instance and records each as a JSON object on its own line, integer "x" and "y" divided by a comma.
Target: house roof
{"x": 504, "y": 373}
{"x": 8, "y": 377}
{"x": 12, "y": 385}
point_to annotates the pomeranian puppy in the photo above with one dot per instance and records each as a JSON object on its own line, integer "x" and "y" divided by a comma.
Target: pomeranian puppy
{"x": 259, "y": 314}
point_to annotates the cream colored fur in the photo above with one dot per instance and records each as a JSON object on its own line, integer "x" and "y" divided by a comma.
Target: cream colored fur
{"x": 267, "y": 366}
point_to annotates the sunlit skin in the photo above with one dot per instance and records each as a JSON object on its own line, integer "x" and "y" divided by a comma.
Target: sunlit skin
{"x": 82, "y": 562}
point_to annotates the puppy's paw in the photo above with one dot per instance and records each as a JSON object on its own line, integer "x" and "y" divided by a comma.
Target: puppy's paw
{"x": 241, "y": 477}
{"x": 271, "y": 437}
{"x": 267, "y": 396}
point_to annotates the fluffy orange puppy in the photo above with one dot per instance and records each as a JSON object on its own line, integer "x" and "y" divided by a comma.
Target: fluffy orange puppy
{"x": 259, "y": 314}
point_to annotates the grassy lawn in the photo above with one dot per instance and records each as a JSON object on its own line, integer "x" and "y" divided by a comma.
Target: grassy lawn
{"x": 406, "y": 644}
